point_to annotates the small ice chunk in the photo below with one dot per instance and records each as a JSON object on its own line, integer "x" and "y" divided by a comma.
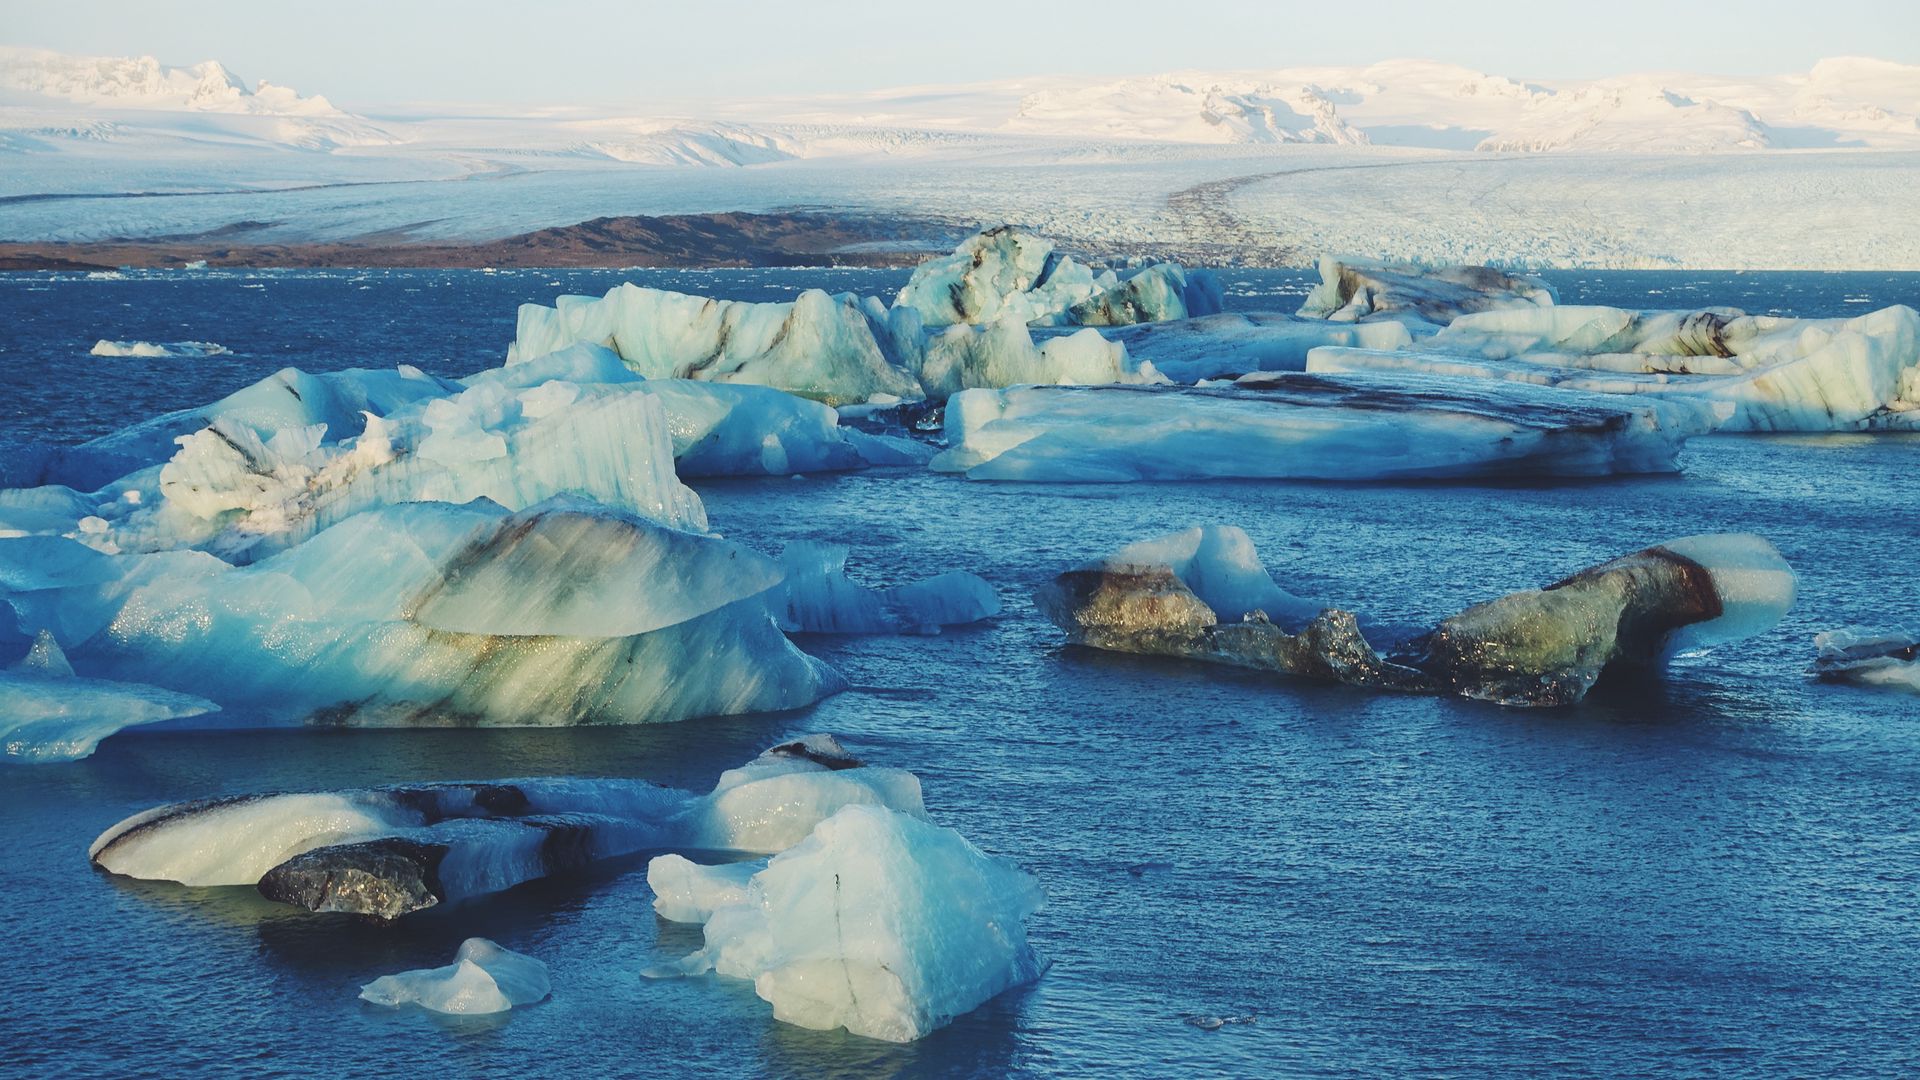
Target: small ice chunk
{"x": 1868, "y": 657}
{"x": 483, "y": 978}
{"x": 685, "y": 891}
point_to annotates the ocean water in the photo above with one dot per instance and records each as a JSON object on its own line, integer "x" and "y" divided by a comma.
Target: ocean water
{"x": 1713, "y": 874}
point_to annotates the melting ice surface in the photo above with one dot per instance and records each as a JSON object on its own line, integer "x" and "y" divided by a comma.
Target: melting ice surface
{"x": 483, "y": 978}
{"x": 49, "y": 714}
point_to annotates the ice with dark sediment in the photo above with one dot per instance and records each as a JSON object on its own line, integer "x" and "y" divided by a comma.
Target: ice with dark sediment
{"x": 1424, "y": 297}
{"x": 427, "y": 613}
{"x": 1304, "y": 426}
{"x": 482, "y": 980}
{"x": 1231, "y": 344}
{"x": 1538, "y": 647}
{"x": 1865, "y": 656}
{"x": 1765, "y": 373}
{"x": 878, "y": 922}
{"x": 391, "y": 851}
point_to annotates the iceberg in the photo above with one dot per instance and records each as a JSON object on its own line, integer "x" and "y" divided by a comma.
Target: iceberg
{"x": 1008, "y": 274}
{"x": 686, "y": 891}
{"x": 483, "y": 979}
{"x": 47, "y": 713}
{"x": 388, "y": 852}
{"x": 1004, "y": 353}
{"x": 1867, "y": 657}
{"x": 1152, "y": 293}
{"x": 1766, "y": 373}
{"x": 425, "y": 613}
{"x": 817, "y": 597}
{"x": 154, "y": 350}
{"x": 1302, "y": 426}
{"x": 1353, "y": 290}
{"x": 1199, "y": 595}
{"x": 1230, "y": 345}
{"x": 878, "y": 922}
{"x": 817, "y": 345}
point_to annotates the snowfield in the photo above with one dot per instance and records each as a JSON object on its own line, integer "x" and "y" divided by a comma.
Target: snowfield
{"x": 1400, "y": 160}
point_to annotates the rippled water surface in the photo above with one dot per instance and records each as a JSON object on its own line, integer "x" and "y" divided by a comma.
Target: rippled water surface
{"x": 1715, "y": 874}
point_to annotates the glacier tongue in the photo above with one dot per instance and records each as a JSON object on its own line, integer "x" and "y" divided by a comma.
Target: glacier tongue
{"x": 1351, "y": 427}
{"x": 878, "y": 922}
{"x": 483, "y": 978}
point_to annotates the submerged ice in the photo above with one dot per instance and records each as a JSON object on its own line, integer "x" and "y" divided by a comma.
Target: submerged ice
{"x": 47, "y": 713}
{"x": 878, "y": 922}
{"x": 483, "y": 979}
{"x": 1199, "y": 595}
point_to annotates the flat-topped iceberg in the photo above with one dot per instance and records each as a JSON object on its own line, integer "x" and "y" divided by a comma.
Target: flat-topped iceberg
{"x": 47, "y": 713}
{"x": 1199, "y": 595}
{"x": 391, "y": 851}
{"x": 1355, "y": 290}
{"x": 1301, "y": 426}
{"x": 878, "y": 922}
{"x": 1867, "y": 657}
{"x": 426, "y": 613}
{"x": 1232, "y": 344}
{"x": 483, "y": 979}
{"x": 817, "y": 345}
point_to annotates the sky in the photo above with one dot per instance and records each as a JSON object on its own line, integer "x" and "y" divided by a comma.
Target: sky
{"x": 394, "y": 52}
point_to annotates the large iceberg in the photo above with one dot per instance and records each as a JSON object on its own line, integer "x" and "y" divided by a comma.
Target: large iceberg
{"x": 427, "y": 613}
{"x": 1229, "y": 345}
{"x": 1008, "y": 274}
{"x": 878, "y": 922}
{"x": 483, "y": 979}
{"x": 1355, "y": 290}
{"x": 1866, "y": 657}
{"x": 1199, "y": 595}
{"x": 1308, "y": 427}
{"x": 817, "y": 345}
{"x": 47, "y": 713}
{"x": 387, "y": 852}
{"x": 1767, "y": 373}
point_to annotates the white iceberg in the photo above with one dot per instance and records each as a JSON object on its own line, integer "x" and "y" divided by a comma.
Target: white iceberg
{"x": 686, "y": 891}
{"x": 153, "y": 350}
{"x": 1353, "y": 290}
{"x": 391, "y": 851}
{"x": 426, "y": 613}
{"x": 483, "y": 979}
{"x": 817, "y": 597}
{"x": 47, "y": 713}
{"x": 1768, "y": 373}
{"x": 1004, "y": 353}
{"x": 817, "y": 345}
{"x": 1229, "y": 345}
{"x": 878, "y": 922}
{"x": 1869, "y": 657}
{"x": 1299, "y": 426}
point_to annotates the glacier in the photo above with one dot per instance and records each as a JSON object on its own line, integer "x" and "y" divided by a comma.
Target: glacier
{"x": 878, "y": 922}
{"x": 1869, "y": 657}
{"x": 1301, "y": 426}
{"x": 388, "y": 852}
{"x": 1354, "y": 290}
{"x": 1199, "y": 595}
{"x": 48, "y": 714}
{"x": 483, "y": 979}
{"x": 817, "y": 597}
{"x": 427, "y": 613}
{"x": 1768, "y": 373}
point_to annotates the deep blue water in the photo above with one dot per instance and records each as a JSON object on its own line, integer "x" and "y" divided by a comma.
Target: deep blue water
{"x": 1716, "y": 874}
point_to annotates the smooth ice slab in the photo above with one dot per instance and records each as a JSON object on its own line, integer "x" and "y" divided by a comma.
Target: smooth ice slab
{"x": 425, "y": 613}
{"x": 483, "y": 979}
{"x": 1868, "y": 657}
{"x": 1298, "y": 426}
{"x": 1536, "y": 647}
{"x": 878, "y": 922}
{"x": 1229, "y": 345}
{"x": 47, "y": 713}
{"x": 1352, "y": 290}
{"x": 818, "y": 345}
{"x": 817, "y": 597}
{"x": 391, "y": 851}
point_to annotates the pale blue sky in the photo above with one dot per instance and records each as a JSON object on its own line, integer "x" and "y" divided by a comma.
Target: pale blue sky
{"x": 364, "y": 54}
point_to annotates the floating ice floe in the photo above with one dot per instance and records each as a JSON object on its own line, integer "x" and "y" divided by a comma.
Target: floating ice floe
{"x": 47, "y": 713}
{"x": 387, "y": 852}
{"x": 1857, "y": 654}
{"x": 1354, "y": 290}
{"x": 878, "y": 922}
{"x": 1769, "y": 373}
{"x": 425, "y": 613}
{"x": 151, "y": 349}
{"x": 483, "y": 979}
{"x": 817, "y": 345}
{"x": 1229, "y": 345}
{"x": 817, "y": 597}
{"x": 1182, "y": 596}
{"x": 1298, "y": 426}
